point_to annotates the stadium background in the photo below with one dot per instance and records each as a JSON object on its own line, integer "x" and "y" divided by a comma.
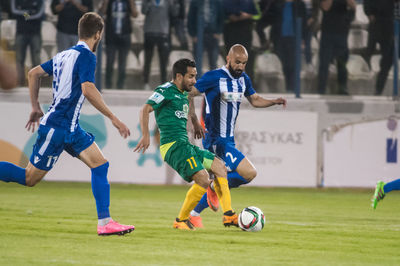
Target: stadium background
{"x": 318, "y": 142}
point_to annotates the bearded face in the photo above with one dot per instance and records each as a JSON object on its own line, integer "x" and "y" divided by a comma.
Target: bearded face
{"x": 189, "y": 79}
{"x": 236, "y": 63}
{"x": 236, "y": 73}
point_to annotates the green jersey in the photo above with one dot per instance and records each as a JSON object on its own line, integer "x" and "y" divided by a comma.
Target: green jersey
{"x": 171, "y": 108}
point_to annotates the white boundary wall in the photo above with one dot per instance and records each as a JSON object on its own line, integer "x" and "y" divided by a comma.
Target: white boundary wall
{"x": 282, "y": 144}
{"x": 359, "y": 154}
{"x": 287, "y": 147}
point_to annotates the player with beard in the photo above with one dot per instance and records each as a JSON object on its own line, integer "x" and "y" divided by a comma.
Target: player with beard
{"x": 73, "y": 81}
{"x": 170, "y": 104}
{"x": 224, "y": 89}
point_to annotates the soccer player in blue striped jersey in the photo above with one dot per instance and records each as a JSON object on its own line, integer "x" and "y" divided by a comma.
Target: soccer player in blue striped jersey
{"x": 224, "y": 90}
{"x": 73, "y": 81}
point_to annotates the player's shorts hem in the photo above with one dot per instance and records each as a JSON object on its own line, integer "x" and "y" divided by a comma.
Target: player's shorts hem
{"x": 40, "y": 168}
{"x": 78, "y": 152}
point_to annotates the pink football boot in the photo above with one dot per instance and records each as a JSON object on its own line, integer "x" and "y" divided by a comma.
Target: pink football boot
{"x": 114, "y": 228}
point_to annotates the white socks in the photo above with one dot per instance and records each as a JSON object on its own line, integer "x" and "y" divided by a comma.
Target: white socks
{"x": 194, "y": 213}
{"x": 104, "y": 221}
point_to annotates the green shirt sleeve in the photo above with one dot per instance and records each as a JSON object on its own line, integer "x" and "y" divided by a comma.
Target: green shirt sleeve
{"x": 157, "y": 99}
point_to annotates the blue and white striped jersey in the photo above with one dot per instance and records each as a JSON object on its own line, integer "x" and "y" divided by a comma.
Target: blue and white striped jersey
{"x": 223, "y": 95}
{"x": 69, "y": 69}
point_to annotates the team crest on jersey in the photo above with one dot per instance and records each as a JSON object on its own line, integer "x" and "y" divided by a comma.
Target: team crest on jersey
{"x": 184, "y": 113}
{"x": 156, "y": 97}
{"x": 241, "y": 82}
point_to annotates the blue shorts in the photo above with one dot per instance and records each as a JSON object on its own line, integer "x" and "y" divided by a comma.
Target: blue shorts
{"x": 51, "y": 142}
{"x": 226, "y": 150}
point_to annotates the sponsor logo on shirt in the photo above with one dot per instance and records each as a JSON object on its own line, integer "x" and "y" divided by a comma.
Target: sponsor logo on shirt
{"x": 232, "y": 96}
{"x": 184, "y": 113}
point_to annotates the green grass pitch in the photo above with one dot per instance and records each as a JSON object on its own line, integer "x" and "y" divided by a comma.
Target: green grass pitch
{"x": 54, "y": 223}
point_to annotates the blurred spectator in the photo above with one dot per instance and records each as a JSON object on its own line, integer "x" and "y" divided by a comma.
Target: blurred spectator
{"x": 29, "y": 15}
{"x": 178, "y": 23}
{"x": 283, "y": 33}
{"x": 382, "y": 13}
{"x": 337, "y": 16}
{"x": 157, "y": 33}
{"x": 69, "y": 12}
{"x": 311, "y": 26}
{"x": 372, "y": 32}
{"x": 238, "y": 28}
{"x": 205, "y": 16}
{"x": 118, "y": 36}
{"x": 263, "y": 22}
{"x": 5, "y": 6}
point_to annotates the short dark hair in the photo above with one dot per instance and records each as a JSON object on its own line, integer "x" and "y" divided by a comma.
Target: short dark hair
{"x": 180, "y": 66}
{"x": 90, "y": 24}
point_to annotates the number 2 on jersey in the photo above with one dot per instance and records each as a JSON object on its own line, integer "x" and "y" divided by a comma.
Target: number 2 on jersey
{"x": 190, "y": 160}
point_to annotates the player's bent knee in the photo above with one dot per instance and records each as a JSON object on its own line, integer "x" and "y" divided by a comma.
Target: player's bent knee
{"x": 31, "y": 181}
{"x": 251, "y": 174}
{"x": 33, "y": 175}
{"x": 218, "y": 168}
{"x": 201, "y": 178}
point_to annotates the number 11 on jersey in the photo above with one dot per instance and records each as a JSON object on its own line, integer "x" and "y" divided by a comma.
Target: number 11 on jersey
{"x": 190, "y": 160}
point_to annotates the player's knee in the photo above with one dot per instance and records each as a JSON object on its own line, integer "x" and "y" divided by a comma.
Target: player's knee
{"x": 202, "y": 179}
{"x": 219, "y": 168}
{"x": 204, "y": 183}
{"x": 33, "y": 176}
{"x": 30, "y": 181}
{"x": 99, "y": 162}
{"x": 250, "y": 174}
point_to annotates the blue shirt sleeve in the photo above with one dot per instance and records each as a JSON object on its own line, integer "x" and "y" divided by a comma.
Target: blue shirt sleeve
{"x": 249, "y": 87}
{"x": 48, "y": 67}
{"x": 86, "y": 67}
{"x": 206, "y": 82}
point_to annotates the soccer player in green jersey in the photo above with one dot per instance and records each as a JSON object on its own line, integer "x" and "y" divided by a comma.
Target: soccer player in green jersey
{"x": 170, "y": 104}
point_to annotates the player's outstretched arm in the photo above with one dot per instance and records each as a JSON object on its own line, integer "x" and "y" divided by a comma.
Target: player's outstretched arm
{"x": 259, "y": 102}
{"x": 34, "y": 76}
{"x": 144, "y": 141}
{"x": 93, "y": 95}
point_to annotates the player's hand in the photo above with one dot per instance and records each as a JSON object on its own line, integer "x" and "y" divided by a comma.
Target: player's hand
{"x": 280, "y": 101}
{"x": 34, "y": 117}
{"x": 198, "y": 131}
{"x": 122, "y": 128}
{"x": 143, "y": 144}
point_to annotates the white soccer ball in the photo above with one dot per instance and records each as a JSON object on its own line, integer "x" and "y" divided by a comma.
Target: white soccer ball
{"x": 251, "y": 219}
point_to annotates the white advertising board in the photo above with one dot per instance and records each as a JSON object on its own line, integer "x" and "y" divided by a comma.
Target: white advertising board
{"x": 360, "y": 154}
{"x": 281, "y": 144}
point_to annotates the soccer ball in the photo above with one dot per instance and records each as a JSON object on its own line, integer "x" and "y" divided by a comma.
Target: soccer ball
{"x": 251, "y": 219}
